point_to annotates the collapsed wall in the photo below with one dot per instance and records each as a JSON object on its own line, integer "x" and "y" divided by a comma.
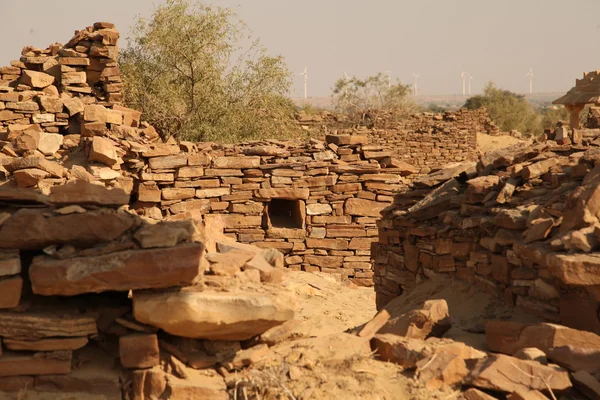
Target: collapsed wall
{"x": 521, "y": 223}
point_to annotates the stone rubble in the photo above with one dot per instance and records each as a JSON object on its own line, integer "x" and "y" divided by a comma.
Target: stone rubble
{"x": 116, "y": 246}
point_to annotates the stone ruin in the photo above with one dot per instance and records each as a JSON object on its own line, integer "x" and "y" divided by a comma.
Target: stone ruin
{"x": 115, "y": 243}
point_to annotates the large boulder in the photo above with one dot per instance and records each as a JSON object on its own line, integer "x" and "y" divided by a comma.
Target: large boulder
{"x": 214, "y": 315}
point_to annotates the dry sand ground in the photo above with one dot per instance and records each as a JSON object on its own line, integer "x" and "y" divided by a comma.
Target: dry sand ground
{"x": 326, "y": 306}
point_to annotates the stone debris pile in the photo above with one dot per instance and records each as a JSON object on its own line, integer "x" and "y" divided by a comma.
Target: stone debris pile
{"x": 68, "y": 262}
{"x": 521, "y": 223}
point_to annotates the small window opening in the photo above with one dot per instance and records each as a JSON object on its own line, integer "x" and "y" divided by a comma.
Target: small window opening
{"x": 285, "y": 214}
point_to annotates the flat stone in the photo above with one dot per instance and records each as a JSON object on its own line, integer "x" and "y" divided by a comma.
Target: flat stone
{"x": 103, "y": 151}
{"x": 120, "y": 271}
{"x": 168, "y": 162}
{"x": 509, "y": 337}
{"x": 404, "y": 351}
{"x": 475, "y": 394}
{"x": 198, "y": 386}
{"x": 214, "y": 315}
{"x": 346, "y": 139}
{"x": 30, "y": 229}
{"x": 444, "y": 370}
{"x": 576, "y": 358}
{"x": 575, "y": 269}
{"x": 139, "y": 350}
{"x": 318, "y": 209}
{"x": 82, "y": 192}
{"x": 37, "y": 80}
{"x": 49, "y": 344}
{"x": 42, "y": 325}
{"x": 98, "y": 113}
{"x": 432, "y": 319}
{"x": 283, "y": 193}
{"x": 364, "y": 208}
{"x": 51, "y": 363}
{"x": 501, "y": 373}
{"x": 236, "y": 162}
{"x": 10, "y": 262}
{"x": 10, "y": 291}
{"x": 178, "y": 193}
{"x": 587, "y": 384}
{"x": 164, "y": 234}
{"x": 478, "y": 188}
{"x": 50, "y": 143}
{"x": 526, "y": 395}
{"x": 29, "y": 177}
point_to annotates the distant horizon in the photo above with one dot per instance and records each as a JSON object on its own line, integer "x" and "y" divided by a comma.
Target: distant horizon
{"x": 493, "y": 41}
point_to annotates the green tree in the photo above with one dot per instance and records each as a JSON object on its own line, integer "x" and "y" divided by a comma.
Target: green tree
{"x": 508, "y": 110}
{"x": 551, "y": 115}
{"x": 365, "y": 99}
{"x": 186, "y": 70}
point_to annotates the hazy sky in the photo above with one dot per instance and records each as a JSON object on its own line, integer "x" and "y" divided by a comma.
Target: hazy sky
{"x": 493, "y": 40}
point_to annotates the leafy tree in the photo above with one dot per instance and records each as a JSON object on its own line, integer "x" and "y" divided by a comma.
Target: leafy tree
{"x": 186, "y": 70}
{"x": 365, "y": 99}
{"x": 508, "y": 110}
{"x": 551, "y": 115}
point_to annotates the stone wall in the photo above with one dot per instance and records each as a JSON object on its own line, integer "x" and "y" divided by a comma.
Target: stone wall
{"x": 316, "y": 201}
{"x": 520, "y": 224}
{"x": 428, "y": 141}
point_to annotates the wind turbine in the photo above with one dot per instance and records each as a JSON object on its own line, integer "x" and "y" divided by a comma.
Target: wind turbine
{"x": 389, "y": 78}
{"x": 463, "y": 75}
{"x": 470, "y": 78}
{"x": 415, "y": 90}
{"x": 530, "y": 75}
{"x": 305, "y": 73}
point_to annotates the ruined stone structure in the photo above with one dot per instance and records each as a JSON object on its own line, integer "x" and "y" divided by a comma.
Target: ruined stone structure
{"x": 114, "y": 246}
{"x": 521, "y": 224}
{"x": 585, "y": 91}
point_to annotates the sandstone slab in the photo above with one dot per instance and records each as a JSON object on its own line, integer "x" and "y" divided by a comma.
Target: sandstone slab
{"x": 120, "y": 271}
{"x": 214, "y": 315}
{"x": 40, "y": 325}
{"x": 432, "y": 319}
{"x": 10, "y": 291}
{"x": 30, "y": 229}
{"x": 51, "y": 363}
{"x": 501, "y": 373}
{"x": 139, "y": 350}
{"x": 509, "y": 337}
{"x": 576, "y": 358}
{"x": 82, "y": 192}
{"x": 364, "y": 208}
{"x": 48, "y": 344}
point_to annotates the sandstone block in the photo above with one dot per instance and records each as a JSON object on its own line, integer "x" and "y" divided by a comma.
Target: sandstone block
{"x": 51, "y": 363}
{"x": 508, "y": 337}
{"x": 236, "y": 162}
{"x": 318, "y": 209}
{"x": 501, "y": 373}
{"x": 81, "y": 192}
{"x": 129, "y": 270}
{"x": 98, "y": 113}
{"x": 10, "y": 291}
{"x": 363, "y": 208}
{"x": 433, "y": 319}
{"x": 283, "y": 193}
{"x": 104, "y": 151}
{"x": 139, "y": 351}
{"x": 82, "y": 229}
{"x": 214, "y": 315}
{"x": 37, "y": 80}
